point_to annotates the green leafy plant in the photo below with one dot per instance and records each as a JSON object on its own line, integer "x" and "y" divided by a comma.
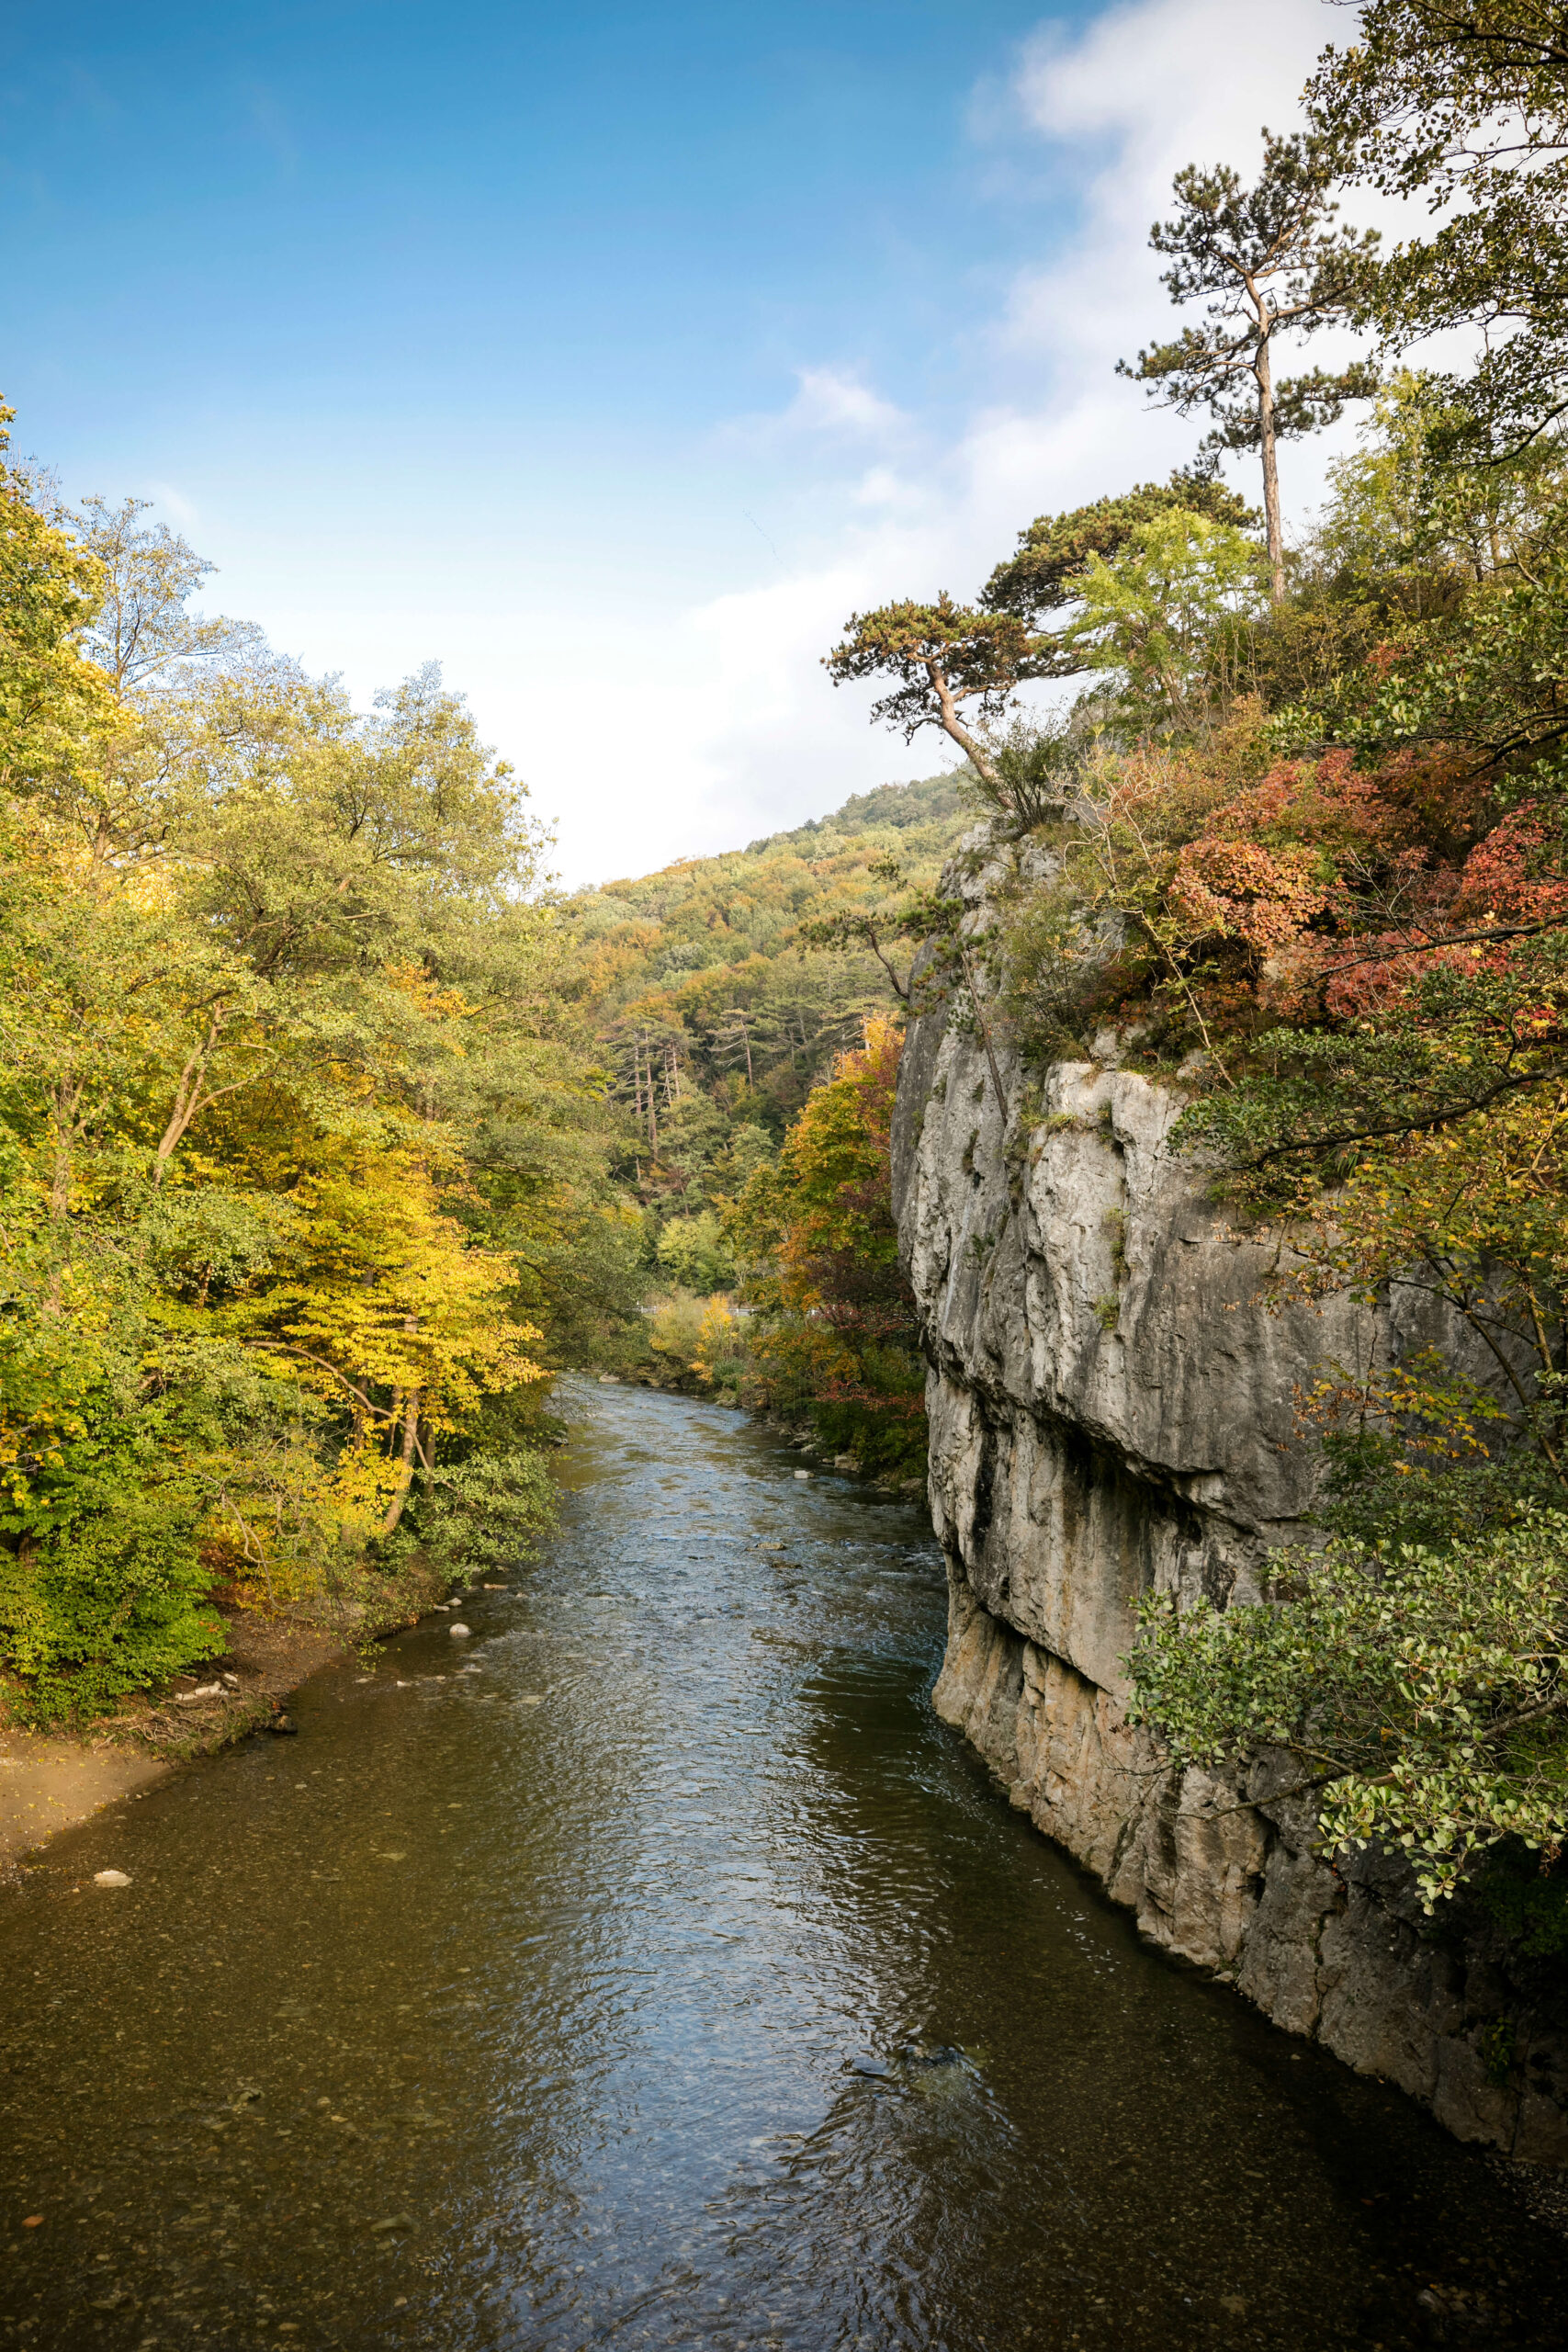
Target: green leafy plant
{"x": 1419, "y": 1693}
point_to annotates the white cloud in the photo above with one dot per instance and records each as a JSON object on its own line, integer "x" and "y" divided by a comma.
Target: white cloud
{"x": 758, "y": 737}
{"x": 830, "y": 404}
{"x": 677, "y": 723}
{"x": 1174, "y": 80}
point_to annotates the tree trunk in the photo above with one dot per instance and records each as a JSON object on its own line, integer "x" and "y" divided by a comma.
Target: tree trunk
{"x": 1270, "y": 474}
{"x": 951, "y": 724}
{"x": 405, "y": 1462}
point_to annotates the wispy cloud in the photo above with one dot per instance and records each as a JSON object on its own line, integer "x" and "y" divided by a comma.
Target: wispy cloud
{"x": 831, "y": 406}
{"x": 173, "y": 504}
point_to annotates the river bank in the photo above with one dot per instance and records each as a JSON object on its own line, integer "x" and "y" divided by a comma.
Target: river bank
{"x": 54, "y": 1780}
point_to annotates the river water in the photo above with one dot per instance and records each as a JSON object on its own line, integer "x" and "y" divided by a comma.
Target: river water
{"x": 677, "y": 1980}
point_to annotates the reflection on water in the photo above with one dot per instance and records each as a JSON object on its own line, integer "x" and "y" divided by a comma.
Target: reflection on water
{"x": 654, "y": 1969}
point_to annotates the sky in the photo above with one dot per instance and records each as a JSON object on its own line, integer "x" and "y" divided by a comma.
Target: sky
{"x": 613, "y": 356}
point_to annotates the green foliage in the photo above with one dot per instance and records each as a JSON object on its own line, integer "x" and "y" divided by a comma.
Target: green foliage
{"x": 1033, "y": 770}
{"x": 485, "y": 1514}
{"x": 1266, "y": 261}
{"x": 1053, "y": 551}
{"x": 1420, "y": 1692}
{"x": 1157, "y": 620}
{"x": 300, "y": 1164}
{"x": 1462, "y": 104}
{"x": 707, "y": 974}
{"x": 834, "y": 1328}
{"x": 692, "y": 1252}
{"x": 106, "y": 1604}
{"x": 674, "y": 1334}
{"x": 938, "y": 658}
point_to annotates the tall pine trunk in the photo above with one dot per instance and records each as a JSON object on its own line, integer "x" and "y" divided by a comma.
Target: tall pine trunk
{"x": 1271, "y": 475}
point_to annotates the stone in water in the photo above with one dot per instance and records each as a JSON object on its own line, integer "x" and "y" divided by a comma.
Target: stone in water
{"x": 458, "y": 1633}
{"x": 110, "y": 1878}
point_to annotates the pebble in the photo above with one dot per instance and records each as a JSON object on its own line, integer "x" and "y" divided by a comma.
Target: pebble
{"x": 110, "y": 1878}
{"x": 458, "y": 1633}
{"x": 802, "y": 1474}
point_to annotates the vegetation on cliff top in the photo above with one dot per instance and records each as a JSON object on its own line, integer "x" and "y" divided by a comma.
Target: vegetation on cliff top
{"x": 1303, "y": 845}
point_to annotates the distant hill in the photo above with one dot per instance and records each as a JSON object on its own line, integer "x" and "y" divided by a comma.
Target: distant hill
{"x": 695, "y": 973}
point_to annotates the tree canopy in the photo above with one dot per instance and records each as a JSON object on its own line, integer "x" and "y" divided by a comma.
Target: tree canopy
{"x": 1266, "y": 261}
{"x": 296, "y": 1148}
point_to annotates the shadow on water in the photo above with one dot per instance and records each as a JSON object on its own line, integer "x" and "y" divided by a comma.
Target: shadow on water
{"x": 655, "y": 1969}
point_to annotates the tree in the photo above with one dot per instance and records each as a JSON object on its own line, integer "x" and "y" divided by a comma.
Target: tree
{"x": 1464, "y": 103}
{"x": 296, "y": 1162}
{"x": 1156, "y": 614}
{"x": 943, "y": 656}
{"x": 818, "y": 1247}
{"x": 1055, "y": 551}
{"x": 143, "y": 635}
{"x": 1419, "y": 1693}
{"x": 1269, "y": 261}
{"x": 55, "y": 705}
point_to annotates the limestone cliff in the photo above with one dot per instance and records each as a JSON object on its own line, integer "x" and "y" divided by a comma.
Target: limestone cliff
{"x": 1112, "y": 1409}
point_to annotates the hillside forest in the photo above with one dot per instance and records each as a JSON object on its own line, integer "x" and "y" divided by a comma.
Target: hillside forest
{"x": 330, "y": 1130}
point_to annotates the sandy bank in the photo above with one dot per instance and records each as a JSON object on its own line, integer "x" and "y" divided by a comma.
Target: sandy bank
{"x": 50, "y": 1781}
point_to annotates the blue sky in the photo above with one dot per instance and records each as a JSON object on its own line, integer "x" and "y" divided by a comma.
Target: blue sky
{"x": 610, "y": 357}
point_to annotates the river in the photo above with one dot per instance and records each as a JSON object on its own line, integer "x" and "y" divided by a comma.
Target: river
{"x": 654, "y": 1969}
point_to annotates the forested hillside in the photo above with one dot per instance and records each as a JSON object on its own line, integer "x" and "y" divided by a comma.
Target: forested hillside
{"x": 701, "y": 971}
{"x": 723, "y": 989}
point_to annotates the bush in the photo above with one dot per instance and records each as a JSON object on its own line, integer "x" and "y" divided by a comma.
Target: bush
{"x": 1421, "y": 1694}
{"x": 92, "y": 1611}
{"x": 485, "y": 1513}
{"x": 674, "y": 1332}
{"x": 722, "y": 1355}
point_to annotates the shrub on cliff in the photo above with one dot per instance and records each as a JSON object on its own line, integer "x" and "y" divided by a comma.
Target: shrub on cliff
{"x": 1421, "y": 1693}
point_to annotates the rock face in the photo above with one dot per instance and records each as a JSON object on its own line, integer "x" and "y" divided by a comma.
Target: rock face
{"x": 1112, "y": 1410}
